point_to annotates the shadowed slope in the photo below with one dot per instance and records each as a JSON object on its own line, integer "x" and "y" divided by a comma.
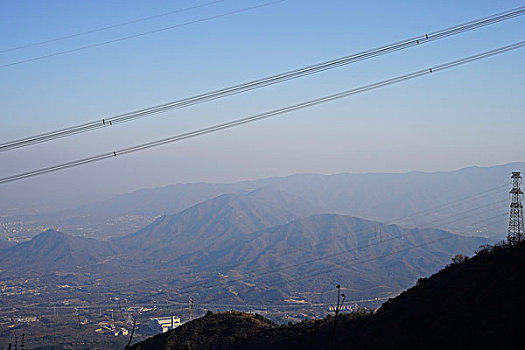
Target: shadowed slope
{"x": 4, "y": 243}
{"x": 55, "y": 251}
{"x": 370, "y": 258}
{"x": 474, "y": 305}
{"x": 226, "y": 217}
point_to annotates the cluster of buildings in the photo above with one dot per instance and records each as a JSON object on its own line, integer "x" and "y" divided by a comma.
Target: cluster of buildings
{"x": 111, "y": 329}
{"x": 164, "y": 324}
{"x": 156, "y": 325}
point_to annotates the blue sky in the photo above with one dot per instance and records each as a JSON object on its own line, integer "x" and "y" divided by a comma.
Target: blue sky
{"x": 472, "y": 115}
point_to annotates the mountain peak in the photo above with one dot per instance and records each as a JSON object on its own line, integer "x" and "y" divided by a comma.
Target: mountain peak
{"x": 51, "y": 233}
{"x": 223, "y": 217}
{"x": 53, "y": 250}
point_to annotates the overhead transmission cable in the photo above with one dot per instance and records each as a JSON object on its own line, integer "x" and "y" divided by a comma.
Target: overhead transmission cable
{"x": 184, "y": 305}
{"x": 265, "y": 115}
{"x": 308, "y": 246}
{"x": 317, "y": 243}
{"x": 453, "y": 203}
{"x": 59, "y": 53}
{"x": 475, "y": 209}
{"x": 487, "y": 220}
{"x": 254, "y": 274}
{"x": 112, "y": 26}
{"x": 257, "y": 274}
{"x": 298, "y": 277}
{"x": 387, "y": 239}
{"x": 259, "y": 83}
{"x": 215, "y": 285}
{"x": 314, "y": 272}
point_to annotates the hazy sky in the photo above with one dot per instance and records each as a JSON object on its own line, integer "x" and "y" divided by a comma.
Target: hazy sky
{"x": 471, "y": 115}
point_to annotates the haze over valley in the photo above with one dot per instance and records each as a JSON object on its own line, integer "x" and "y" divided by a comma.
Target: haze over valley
{"x": 415, "y": 199}
{"x": 260, "y": 174}
{"x": 279, "y": 242}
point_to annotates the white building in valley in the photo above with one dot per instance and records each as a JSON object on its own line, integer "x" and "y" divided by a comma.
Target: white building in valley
{"x": 164, "y": 324}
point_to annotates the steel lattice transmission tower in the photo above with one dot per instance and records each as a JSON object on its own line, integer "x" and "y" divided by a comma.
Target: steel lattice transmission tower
{"x": 516, "y": 232}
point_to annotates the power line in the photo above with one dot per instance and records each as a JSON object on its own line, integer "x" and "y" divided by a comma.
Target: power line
{"x": 475, "y": 209}
{"x": 317, "y": 243}
{"x": 428, "y": 211}
{"x": 96, "y": 30}
{"x": 267, "y": 81}
{"x": 292, "y": 305}
{"x": 489, "y": 219}
{"x": 208, "y": 302}
{"x": 364, "y": 230}
{"x": 449, "y": 204}
{"x": 313, "y": 273}
{"x": 265, "y": 115}
{"x": 215, "y": 285}
{"x": 59, "y": 53}
{"x": 258, "y": 274}
{"x": 184, "y": 305}
{"x": 301, "y": 276}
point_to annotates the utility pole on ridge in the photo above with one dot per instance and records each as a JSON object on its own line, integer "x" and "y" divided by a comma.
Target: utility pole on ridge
{"x": 190, "y": 307}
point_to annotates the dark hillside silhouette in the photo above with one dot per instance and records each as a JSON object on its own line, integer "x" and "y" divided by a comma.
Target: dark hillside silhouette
{"x": 475, "y": 304}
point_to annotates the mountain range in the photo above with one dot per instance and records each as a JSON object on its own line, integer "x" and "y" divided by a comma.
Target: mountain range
{"x": 261, "y": 245}
{"x": 53, "y": 251}
{"x": 414, "y": 199}
{"x": 472, "y": 304}
{"x": 381, "y": 196}
{"x": 214, "y": 221}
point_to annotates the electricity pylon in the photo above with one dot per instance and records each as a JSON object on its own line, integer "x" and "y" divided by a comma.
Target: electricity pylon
{"x": 516, "y": 231}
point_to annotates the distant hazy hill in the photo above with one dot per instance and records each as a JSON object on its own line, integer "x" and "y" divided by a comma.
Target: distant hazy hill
{"x": 475, "y": 305}
{"x": 54, "y": 251}
{"x": 377, "y": 196}
{"x": 260, "y": 246}
{"x": 307, "y": 254}
{"x": 249, "y": 249}
{"x": 226, "y": 217}
{"x": 163, "y": 200}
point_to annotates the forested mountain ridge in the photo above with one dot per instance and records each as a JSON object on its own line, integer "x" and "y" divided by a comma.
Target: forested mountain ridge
{"x": 477, "y": 304}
